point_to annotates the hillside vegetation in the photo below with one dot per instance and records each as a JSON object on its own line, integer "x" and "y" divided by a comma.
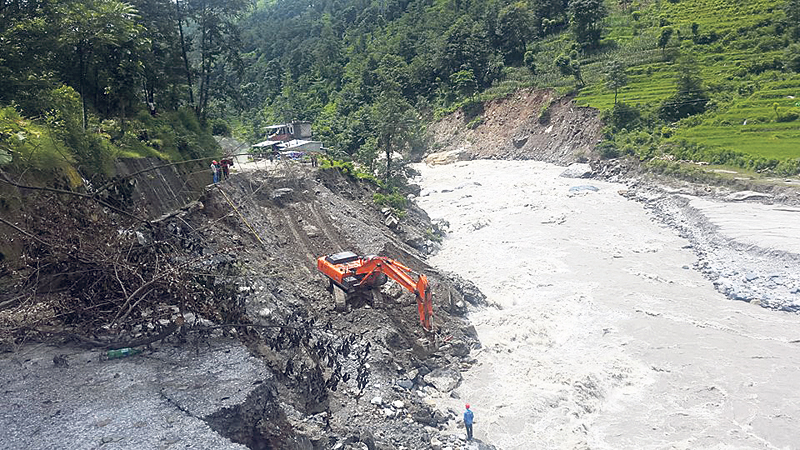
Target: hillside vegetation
{"x": 710, "y": 80}
{"x": 89, "y": 81}
{"x": 744, "y": 55}
{"x": 86, "y": 82}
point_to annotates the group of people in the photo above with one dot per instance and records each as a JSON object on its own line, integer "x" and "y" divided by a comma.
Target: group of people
{"x": 220, "y": 170}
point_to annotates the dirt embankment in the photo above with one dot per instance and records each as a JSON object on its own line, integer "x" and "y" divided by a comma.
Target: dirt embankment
{"x": 530, "y": 124}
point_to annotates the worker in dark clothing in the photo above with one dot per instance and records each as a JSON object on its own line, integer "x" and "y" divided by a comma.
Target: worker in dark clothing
{"x": 468, "y": 416}
{"x": 225, "y": 164}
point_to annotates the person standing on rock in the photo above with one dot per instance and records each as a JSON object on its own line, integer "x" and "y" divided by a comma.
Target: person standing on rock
{"x": 215, "y": 171}
{"x": 468, "y": 416}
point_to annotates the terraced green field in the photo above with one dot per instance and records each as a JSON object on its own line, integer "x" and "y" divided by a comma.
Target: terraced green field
{"x": 739, "y": 50}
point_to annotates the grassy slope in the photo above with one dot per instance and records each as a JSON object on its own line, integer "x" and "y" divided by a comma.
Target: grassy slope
{"x": 744, "y": 118}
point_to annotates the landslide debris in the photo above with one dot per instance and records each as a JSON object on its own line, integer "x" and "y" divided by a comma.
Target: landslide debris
{"x": 240, "y": 262}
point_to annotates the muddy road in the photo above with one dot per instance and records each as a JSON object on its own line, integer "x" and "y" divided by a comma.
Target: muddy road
{"x": 609, "y": 331}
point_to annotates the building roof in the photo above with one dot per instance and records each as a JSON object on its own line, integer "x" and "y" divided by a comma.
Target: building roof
{"x": 266, "y": 144}
{"x": 294, "y": 143}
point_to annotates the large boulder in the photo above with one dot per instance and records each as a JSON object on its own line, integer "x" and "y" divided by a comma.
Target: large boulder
{"x": 444, "y": 379}
{"x": 577, "y": 170}
{"x": 448, "y": 157}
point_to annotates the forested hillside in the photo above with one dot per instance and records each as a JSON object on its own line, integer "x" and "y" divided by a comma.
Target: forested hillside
{"x": 85, "y": 82}
{"x": 712, "y": 80}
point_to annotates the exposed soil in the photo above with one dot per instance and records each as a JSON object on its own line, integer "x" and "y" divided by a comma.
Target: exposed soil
{"x": 529, "y": 124}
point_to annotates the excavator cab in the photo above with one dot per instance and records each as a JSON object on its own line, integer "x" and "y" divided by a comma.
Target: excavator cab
{"x": 355, "y": 274}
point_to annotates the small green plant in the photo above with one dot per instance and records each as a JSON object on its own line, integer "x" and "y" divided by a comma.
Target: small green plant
{"x": 395, "y": 200}
{"x": 475, "y": 123}
{"x": 544, "y": 114}
{"x": 432, "y": 235}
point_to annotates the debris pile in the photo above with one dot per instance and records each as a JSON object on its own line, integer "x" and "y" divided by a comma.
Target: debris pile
{"x": 239, "y": 264}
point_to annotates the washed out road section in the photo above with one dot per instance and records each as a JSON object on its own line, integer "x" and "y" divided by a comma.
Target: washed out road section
{"x": 154, "y": 400}
{"x": 605, "y": 336}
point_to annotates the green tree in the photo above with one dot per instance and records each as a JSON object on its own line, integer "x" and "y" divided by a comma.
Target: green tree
{"x": 586, "y": 20}
{"x": 90, "y": 29}
{"x": 217, "y": 38}
{"x": 663, "y": 39}
{"x": 791, "y": 58}
{"x": 690, "y": 97}
{"x": 548, "y": 16}
{"x": 616, "y": 78}
{"x": 513, "y": 31}
{"x": 465, "y": 46}
{"x": 464, "y": 83}
{"x": 792, "y": 10}
{"x": 530, "y": 61}
{"x": 569, "y": 67}
{"x": 164, "y": 83}
{"x": 27, "y": 44}
{"x": 395, "y": 122}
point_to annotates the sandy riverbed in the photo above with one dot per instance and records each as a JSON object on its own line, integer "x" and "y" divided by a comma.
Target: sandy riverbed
{"x": 606, "y": 337}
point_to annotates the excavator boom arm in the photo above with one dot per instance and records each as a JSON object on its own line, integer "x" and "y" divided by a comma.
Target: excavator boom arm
{"x": 352, "y": 272}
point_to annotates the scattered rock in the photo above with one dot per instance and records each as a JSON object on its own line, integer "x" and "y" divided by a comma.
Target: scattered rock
{"x": 448, "y": 157}
{"x": 391, "y": 222}
{"x": 398, "y": 404}
{"x": 60, "y": 361}
{"x": 584, "y": 188}
{"x": 376, "y": 401}
{"x": 282, "y": 193}
{"x": 311, "y": 231}
{"x": 391, "y": 290}
{"x": 519, "y": 142}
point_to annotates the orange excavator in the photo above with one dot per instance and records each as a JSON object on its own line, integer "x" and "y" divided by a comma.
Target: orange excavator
{"x": 355, "y": 274}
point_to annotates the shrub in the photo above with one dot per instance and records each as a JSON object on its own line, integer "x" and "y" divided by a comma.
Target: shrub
{"x": 530, "y": 61}
{"x": 544, "y": 114}
{"x": 608, "y": 150}
{"x": 394, "y": 200}
{"x": 475, "y": 123}
{"x": 220, "y": 128}
{"x": 621, "y": 116}
{"x": 788, "y": 116}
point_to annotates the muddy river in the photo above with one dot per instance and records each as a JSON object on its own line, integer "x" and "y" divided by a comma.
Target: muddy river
{"x": 604, "y": 335}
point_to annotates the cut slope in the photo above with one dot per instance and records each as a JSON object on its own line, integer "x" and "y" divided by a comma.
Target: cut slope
{"x": 529, "y": 124}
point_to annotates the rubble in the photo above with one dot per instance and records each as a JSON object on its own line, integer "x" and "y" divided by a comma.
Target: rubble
{"x": 264, "y": 297}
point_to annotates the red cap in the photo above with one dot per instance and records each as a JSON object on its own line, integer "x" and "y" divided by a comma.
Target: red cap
{"x": 467, "y": 405}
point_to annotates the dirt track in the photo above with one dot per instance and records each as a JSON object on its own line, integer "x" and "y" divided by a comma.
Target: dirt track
{"x": 607, "y": 336}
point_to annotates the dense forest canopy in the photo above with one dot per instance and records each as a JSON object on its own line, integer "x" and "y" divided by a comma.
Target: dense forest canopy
{"x": 87, "y": 81}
